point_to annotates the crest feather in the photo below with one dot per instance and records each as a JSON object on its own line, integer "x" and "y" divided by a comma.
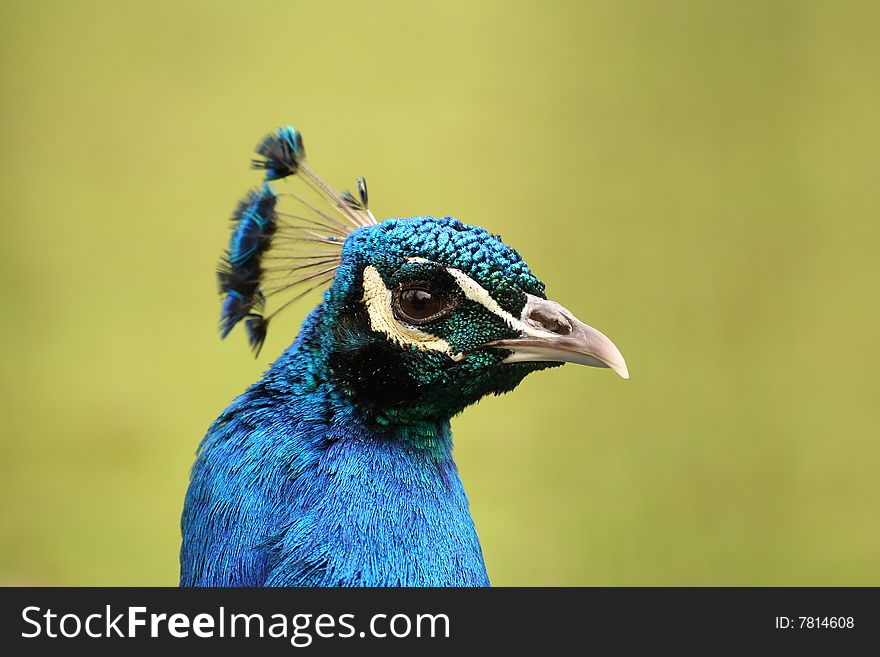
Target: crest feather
{"x": 277, "y": 256}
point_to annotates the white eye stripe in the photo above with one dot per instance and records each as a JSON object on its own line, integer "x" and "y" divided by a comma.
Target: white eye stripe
{"x": 378, "y": 299}
{"x": 476, "y": 292}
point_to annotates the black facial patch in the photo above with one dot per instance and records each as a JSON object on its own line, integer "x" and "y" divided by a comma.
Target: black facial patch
{"x": 366, "y": 365}
{"x": 375, "y": 375}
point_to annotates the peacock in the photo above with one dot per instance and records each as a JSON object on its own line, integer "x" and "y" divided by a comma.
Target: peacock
{"x": 336, "y": 468}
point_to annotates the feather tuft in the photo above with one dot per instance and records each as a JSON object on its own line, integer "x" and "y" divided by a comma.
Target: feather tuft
{"x": 283, "y": 152}
{"x": 362, "y": 192}
{"x": 255, "y": 222}
{"x": 256, "y": 326}
{"x": 239, "y": 273}
{"x": 302, "y": 244}
{"x": 360, "y": 203}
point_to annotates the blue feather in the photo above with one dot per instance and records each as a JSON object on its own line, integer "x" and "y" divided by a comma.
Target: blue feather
{"x": 293, "y": 486}
{"x": 255, "y": 224}
{"x": 240, "y": 270}
{"x": 283, "y": 152}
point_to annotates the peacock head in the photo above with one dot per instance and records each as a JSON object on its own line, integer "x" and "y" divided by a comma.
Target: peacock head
{"x": 423, "y": 315}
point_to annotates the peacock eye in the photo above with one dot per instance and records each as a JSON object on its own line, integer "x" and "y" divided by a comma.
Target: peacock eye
{"x": 418, "y": 305}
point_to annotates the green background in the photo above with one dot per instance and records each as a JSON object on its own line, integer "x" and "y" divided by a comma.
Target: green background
{"x": 699, "y": 180}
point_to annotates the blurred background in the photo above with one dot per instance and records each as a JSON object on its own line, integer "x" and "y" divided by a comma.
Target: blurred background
{"x": 699, "y": 180}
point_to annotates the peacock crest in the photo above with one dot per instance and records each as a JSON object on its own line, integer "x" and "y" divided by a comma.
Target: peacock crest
{"x": 277, "y": 257}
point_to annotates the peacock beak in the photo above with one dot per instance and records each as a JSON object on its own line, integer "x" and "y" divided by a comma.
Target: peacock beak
{"x": 550, "y": 332}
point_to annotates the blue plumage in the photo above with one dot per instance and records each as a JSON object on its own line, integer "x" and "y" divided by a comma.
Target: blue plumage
{"x": 240, "y": 271}
{"x": 292, "y": 479}
{"x": 336, "y": 469}
{"x": 254, "y": 226}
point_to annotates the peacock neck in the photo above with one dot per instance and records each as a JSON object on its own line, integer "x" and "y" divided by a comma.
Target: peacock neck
{"x": 371, "y": 503}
